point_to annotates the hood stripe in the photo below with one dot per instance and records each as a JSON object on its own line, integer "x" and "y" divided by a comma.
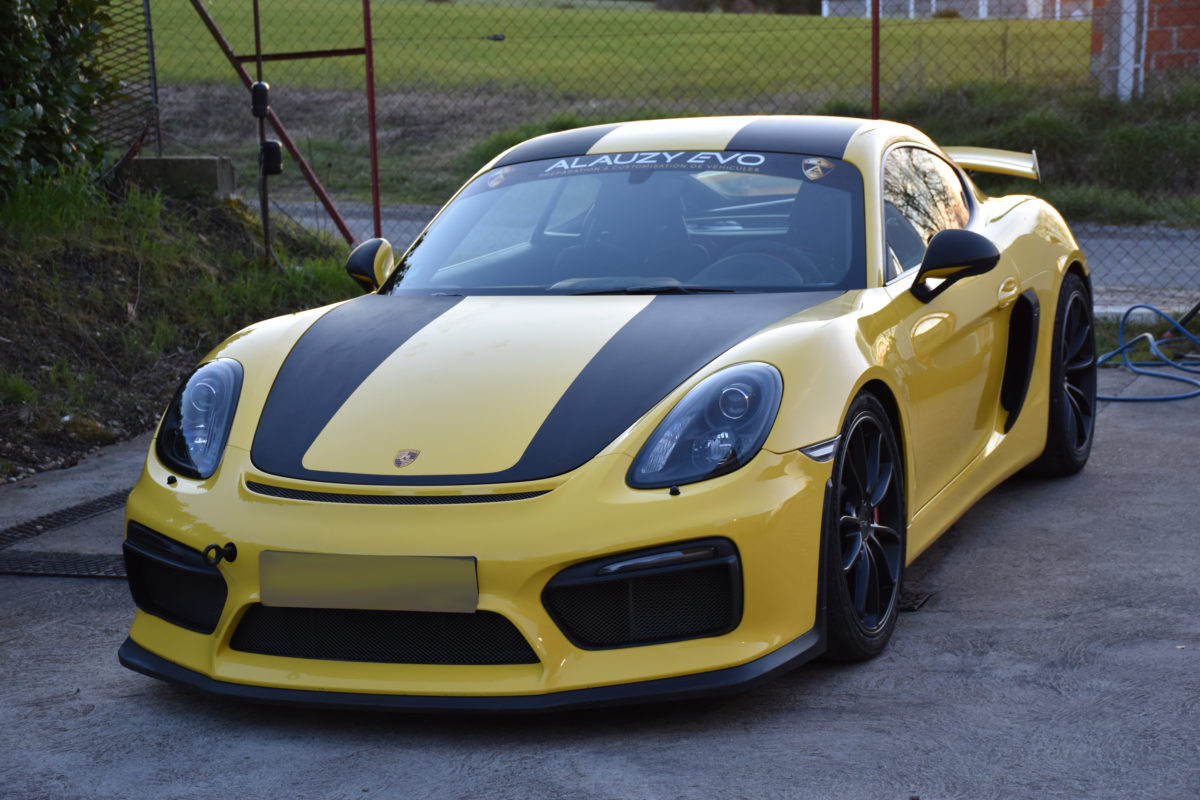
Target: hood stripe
{"x": 660, "y": 348}
{"x": 324, "y": 368}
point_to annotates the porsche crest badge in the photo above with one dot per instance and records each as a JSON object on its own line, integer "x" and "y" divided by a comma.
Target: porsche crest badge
{"x": 817, "y": 168}
{"x": 405, "y": 457}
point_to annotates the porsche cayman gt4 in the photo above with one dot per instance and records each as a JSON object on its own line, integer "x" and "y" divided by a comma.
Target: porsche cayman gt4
{"x": 649, "y": 410}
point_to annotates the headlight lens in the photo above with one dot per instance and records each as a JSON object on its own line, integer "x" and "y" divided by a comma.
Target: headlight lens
{"x": 716, "y": 428}
{"x": 196, "y": 426}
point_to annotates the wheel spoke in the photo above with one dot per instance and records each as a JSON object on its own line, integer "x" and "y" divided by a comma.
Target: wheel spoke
{"x": 1078, "y": 415}
{"x": 862, "y": 581}
{"x": 1082, "y": 400}
{"x": 885, "y": 535}
{"x": 883, "y": 483}
{"x": 889, "y": 555}
{"x": 872, "y": 465}
{"x": 851, "y": 554}
{"x": 1087, "y": 362}
{"x": 1071, "y": 412}
{"x": 853, "y": 460}
{"x": 870, "y": 606}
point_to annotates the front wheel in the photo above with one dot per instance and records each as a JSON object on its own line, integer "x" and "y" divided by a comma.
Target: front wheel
{"x": 865, "y": 529}
{"x": 1072, "y": 421}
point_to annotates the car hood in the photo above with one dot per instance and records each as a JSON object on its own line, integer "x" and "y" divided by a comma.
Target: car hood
{"x": 444, "y": 390}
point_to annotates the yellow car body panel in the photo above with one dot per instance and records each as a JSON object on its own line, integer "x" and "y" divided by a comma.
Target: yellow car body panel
{"x": 478, "y": 397}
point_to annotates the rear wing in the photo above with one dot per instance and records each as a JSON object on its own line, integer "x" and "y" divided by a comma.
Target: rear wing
{"x": 1005, "y": 162}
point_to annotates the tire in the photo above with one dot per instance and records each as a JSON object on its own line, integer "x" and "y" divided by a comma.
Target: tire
{"x": 865, "y": 535}
{"x": 1071, "y": 424}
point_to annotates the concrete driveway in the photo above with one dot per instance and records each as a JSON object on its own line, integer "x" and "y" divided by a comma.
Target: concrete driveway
{"x": 1058, "y": 656}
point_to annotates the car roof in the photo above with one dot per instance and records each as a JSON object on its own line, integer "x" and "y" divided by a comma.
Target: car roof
{"x": 812, "y": 135}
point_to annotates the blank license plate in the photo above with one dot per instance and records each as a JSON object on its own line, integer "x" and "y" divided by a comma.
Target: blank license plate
{"x": 383, "y": 583}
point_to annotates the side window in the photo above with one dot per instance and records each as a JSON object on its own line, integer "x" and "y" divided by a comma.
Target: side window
{"x": 922, "y": 195}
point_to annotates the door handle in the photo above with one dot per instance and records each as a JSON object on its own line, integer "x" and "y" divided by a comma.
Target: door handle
{"x": 1010, "y": 290}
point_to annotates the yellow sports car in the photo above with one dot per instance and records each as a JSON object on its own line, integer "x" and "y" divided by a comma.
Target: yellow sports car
{"x": 649, "y": 410}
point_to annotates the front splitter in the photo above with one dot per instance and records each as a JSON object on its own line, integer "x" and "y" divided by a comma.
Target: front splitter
{"x": 705, "y": 684}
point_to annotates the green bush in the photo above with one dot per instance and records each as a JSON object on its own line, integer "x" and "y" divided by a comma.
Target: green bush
{"x": 48, "y": 84}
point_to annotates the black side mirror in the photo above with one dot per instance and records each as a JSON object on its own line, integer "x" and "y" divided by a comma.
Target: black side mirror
{"x": 371, "y": 263}
{"x": 951, "y": 256}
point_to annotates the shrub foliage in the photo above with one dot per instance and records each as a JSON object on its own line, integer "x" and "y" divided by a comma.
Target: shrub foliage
{"x": 48, "y": 84}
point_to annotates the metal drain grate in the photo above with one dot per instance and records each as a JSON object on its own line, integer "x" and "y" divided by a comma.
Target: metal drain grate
{"x": 62, "y": 565}
{"x": 61, "y": 519}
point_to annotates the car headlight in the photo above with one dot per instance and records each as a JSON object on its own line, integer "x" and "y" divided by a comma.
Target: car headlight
{"x": 196, "y": 425}
{"x": 716, "y": 428}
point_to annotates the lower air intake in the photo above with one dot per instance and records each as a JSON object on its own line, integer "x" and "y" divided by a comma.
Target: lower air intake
{"x": 649, "y": 597}
{"x": 172, "y": 581}
{"x": 390, "y": 637}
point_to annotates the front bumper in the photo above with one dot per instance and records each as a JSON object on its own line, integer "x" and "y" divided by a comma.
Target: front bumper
{"x": 771, "y": 510}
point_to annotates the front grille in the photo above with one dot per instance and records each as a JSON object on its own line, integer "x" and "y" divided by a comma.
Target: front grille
{"x": 648, "y": 606}
{"x": 172, "y": 581}
{"x": 390, "y": 637}
{"x": 387, "y": 499}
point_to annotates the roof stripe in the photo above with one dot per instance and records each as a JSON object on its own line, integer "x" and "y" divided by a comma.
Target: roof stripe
{"x": 557, "y": 145}
{"x": 818, "y": 136}
{"x": 711, "y": 133}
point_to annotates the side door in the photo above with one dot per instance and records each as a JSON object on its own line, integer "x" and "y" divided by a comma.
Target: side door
{"x": 953, "y": 346}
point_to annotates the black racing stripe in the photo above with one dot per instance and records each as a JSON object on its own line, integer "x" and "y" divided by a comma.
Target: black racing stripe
{"x": 667, "y": 342}
{"x": 558, "y": 145}
{"x": 324, "y": 368}
{"x": 819, "y": 137}
{"x": 664, "y": 344}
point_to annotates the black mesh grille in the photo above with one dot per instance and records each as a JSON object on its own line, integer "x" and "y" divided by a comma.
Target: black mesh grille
{"x": 386, "y": 499}
{"x": 172, "y": 581}
{"x": 391, "y": 637}
{"x": 650, "y": 606}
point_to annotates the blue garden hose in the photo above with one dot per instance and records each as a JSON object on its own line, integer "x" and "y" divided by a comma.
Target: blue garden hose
{"x": 1190, "y": 364}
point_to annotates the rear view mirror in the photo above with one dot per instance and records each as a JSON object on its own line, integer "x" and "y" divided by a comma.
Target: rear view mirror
{"x": 951, "y": 256}
{"x": 371, "y": 263}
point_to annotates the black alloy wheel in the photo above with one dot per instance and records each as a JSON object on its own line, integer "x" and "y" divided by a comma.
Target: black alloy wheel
{"x": 1072, "y": 419}
{"x": 865, "y": 544}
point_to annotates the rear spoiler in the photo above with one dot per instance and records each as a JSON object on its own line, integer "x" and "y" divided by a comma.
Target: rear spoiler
{"x": 1005, "y": 162}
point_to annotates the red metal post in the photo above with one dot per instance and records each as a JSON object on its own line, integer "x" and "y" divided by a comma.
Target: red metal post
{"x": 369, "y": 47}
{"x": 875, "y": 59}
{"x": 311, "y": 176}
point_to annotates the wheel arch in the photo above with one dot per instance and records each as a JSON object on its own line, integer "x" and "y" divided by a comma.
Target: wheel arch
{"x": 883, "y": 393}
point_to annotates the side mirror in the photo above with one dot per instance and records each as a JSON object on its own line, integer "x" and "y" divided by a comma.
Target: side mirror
{"x": 951, "y": 256}
{"x": 371, "y": 263}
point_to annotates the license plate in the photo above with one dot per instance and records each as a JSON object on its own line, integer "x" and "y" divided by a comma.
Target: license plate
{"x": 382, "y": 583}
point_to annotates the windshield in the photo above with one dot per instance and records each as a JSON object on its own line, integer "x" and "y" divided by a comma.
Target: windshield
{"x": 647, "y": 222}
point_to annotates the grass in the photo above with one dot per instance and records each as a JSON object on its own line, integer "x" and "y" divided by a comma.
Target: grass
{"x": 108, "y": 304}
{"x": 625, "y": 50}
{"x": 1108, "y": 338}
{"x": 449, "y": 97}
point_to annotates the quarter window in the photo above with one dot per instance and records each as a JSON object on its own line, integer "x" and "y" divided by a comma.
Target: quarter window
{"x": 922, "y": 195}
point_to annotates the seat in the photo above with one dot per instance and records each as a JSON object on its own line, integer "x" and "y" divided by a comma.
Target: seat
{"x": 632, "y": 232}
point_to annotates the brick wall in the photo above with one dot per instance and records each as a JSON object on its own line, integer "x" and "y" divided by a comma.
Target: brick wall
{"x": 1172, "y": 32}
{"x": 1172, "y": 35}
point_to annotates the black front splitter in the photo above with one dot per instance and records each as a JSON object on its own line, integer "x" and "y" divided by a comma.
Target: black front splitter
{"x": 705, "y": 684}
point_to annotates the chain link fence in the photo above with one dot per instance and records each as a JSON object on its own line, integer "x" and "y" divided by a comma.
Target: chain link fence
{"x": 129, "y": 115}
{"x": 458, "y": 80}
